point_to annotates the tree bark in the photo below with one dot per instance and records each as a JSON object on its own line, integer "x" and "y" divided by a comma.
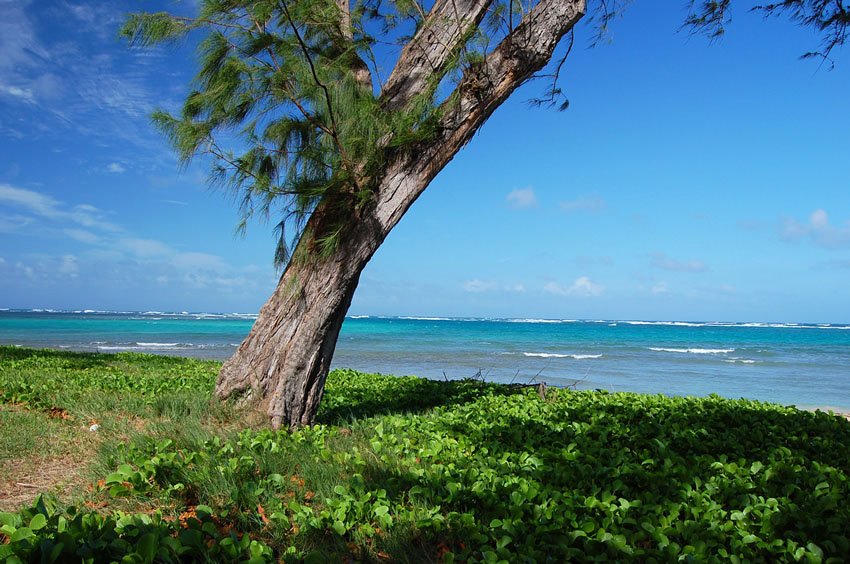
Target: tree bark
{"x": 283, "y": 363}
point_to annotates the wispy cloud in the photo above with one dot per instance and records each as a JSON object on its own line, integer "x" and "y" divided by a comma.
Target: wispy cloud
{"x": 44, "y": 206}
{"x": 480, "y": 286}
{"x": 818, "y": 230}
{"x": 476, "y": 286}
{"x": 111, "y": 248}
{"x": 145, "y": 248}
{"x": 80, "y": 83}
{"x": 13, "y": 223}
{"x": 582, "y": 286}
{"x": 522, "y": 198}
{"x": 659, "y": 288}
{"x": 22, "y": 93}
{"x": 663, "y": 262}
{"x": 116, "y": 168}
{"x": 592, "y": 204}
{"x": 19, "y": 45}
{"x": 83, "y": 236}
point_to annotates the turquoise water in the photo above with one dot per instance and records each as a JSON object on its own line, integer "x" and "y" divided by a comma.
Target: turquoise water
{"x": 804, "y": 365}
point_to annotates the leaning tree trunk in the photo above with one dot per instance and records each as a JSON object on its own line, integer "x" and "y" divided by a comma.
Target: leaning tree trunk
{"x": 283, "y": 363}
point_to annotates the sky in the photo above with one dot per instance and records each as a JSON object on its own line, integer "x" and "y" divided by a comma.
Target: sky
{"x": 688, "y": 180}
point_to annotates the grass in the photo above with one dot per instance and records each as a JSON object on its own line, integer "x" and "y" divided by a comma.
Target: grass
{"x": 407, "y": 470}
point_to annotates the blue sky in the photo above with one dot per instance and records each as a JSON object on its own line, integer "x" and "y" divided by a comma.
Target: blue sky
{"x": 687, "y": 181}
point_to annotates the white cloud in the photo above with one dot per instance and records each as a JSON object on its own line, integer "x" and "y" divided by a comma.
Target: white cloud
{"x": 522, "y": 198}
{"x": 591, "y": 204}
{"x": 819, "y": 231}
{"x": 35, "y": 202}
{"x": 45, "y": 206}
{"x": 663, "y": 262}
{"x": 582, "y": 286}
{"x": 22, "y": 93}
{"x": 117, "y": 168}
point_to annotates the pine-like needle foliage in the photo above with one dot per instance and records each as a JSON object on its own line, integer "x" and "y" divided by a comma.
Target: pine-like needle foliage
{"x": 286, "y": 104}
{"x": 829, "y": 18}
{"x": 286, "y": 81}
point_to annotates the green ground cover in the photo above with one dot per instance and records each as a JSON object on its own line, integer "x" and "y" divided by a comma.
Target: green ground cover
{"x": 411, "y": 470}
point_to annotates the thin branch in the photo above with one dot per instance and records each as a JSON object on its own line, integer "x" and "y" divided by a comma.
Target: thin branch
{"x": 334, "y": 129}
{"x": 554, "y": 91}
{"x": 307, "y": 56}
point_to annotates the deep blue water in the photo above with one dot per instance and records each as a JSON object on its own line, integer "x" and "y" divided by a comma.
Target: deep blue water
{"x": 804, "y": 365}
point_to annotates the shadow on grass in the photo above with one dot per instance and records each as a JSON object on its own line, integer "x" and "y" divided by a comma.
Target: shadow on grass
{"x": 354, "y": 395}
{"x": 718, "y": 476}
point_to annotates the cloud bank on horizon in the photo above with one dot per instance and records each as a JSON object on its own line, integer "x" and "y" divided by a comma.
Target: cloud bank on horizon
{"x": 697, "y": 183}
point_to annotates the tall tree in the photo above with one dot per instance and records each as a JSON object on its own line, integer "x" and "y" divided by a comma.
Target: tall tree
{"x": 291, "y": 103}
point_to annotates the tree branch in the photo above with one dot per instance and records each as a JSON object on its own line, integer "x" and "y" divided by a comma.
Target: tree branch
{"x": 427, "y": 54}
{"x": 526, "y": 50}
{"x": 359, "y": 69}
{"x": 482, "y": 89}
{"x": 334, "y": 129}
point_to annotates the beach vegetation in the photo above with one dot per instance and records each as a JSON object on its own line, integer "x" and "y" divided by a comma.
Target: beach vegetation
{"x": 412, "y": 470}
{"x": 304, "y": 126}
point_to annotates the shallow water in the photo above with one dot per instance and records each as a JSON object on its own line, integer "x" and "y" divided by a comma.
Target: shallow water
{"x": 805, "y": 365}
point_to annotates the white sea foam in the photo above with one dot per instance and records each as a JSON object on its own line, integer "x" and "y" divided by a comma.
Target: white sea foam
{"x": 556, "y": 355}
{"x": 411, "y": 318}
{"x": 740, "y": 360}
{"x": 358, "y": 316}
{"x": 536, "y": 321}
{"x": 692, "y": 350}
{"x": 667, "y": 323}
{"x": 146, "y": 346}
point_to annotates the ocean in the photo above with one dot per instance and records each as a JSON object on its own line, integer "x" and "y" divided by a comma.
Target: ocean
{"x": 807, "y": 365}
